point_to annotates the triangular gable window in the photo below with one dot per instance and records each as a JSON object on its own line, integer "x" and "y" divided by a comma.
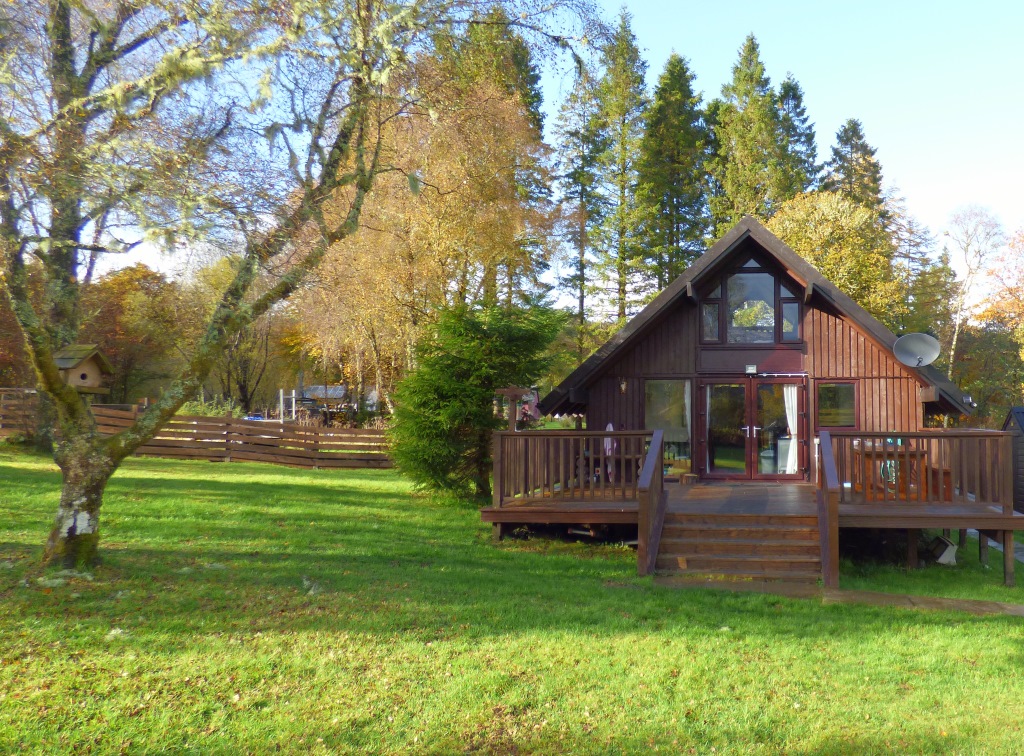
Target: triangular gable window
{"x": 750, "y": 305}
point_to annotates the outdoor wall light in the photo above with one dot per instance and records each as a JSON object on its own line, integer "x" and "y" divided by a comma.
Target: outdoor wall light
{"x": 751, "y": 369}
{"x": 622, "y": 385}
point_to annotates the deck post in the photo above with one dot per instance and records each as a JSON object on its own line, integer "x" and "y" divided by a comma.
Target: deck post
{"x": 498, "y": 531}
{"x": 912, "y": 535}
{"x": 1006, "y": 484}
{"x": 1009, "y": 559}
{"x": 496, "y": 484}
{"x": 828, "y": 493}
{"x": 982, "y": 547}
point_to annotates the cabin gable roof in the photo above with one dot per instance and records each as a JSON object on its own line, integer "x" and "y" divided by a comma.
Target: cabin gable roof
{"x": 569, "y": 395}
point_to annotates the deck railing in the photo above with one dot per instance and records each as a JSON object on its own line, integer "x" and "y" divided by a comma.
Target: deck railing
{"x": 957, "y": 466}
{"x": 580, "y": 466}
{"x": 829, "y": 493}
{"x": 568, "y": 465}
{"x": 652, "y": 501}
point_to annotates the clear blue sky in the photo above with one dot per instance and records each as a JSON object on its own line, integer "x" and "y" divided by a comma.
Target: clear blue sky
{"x": 938, "y": 86}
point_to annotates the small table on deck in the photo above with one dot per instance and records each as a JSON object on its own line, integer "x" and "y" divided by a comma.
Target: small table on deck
{"x": 890, "y": 470}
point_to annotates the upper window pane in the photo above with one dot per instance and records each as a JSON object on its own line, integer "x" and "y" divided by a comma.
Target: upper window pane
{"x": 751, "y": 264}
{"x": 751, "y": 315}
{"x": 715, "y": 293}
{"x": 710, "y": 327}
{"x": 790, "y": 321}
{"x": 785, "y": 292}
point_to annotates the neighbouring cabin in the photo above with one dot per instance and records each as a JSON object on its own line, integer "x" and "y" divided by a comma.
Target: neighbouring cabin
{"x": 84, "y": 367}
{"x": 1014, "y": 424}
{"x": 743, "y": 417}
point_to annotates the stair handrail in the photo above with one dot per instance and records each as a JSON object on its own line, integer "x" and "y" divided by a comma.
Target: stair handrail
{"x": 829, "y": 489}
{"x": 651, "y": 505}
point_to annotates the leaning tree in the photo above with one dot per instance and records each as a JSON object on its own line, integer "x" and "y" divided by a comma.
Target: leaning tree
{"x": 249, "y": 125}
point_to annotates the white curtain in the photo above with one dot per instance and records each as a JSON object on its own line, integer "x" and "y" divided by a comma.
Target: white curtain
{"x": 790, "y": 395}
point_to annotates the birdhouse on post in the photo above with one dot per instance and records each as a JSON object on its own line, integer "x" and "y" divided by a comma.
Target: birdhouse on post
{"x": 84, "y": 367}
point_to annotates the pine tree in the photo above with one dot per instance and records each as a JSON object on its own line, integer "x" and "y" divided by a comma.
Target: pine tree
{"x": 801, "y": 149}
{"x": 751, "y": 145}
{"x": 622, "y": 101}
{"x": 853, "y": 170}
{"x": 580, "y": 143}
{"x": 672, "y": 174}
{"x": 444, "y": 409}
{"x": 492, "y": 51}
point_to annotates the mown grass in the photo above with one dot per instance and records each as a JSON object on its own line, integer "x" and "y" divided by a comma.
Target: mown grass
{"x": 249, "y": 608}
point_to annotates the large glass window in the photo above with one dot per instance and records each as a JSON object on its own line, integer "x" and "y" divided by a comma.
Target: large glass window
{"x": 837, "y": 405}
{"x": 750, "y": 306}
{"x": 751, "y": 315}
{"x": 667, "y": 408}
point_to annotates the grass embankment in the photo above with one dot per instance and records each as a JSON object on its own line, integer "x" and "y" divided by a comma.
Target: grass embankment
{"x": 247, "y": 608}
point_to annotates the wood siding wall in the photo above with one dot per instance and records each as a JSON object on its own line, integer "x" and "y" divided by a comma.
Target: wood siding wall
{"x": 887, "y": 392}
{"x": 835, "y": 349}
{"x": 667, "y": 350}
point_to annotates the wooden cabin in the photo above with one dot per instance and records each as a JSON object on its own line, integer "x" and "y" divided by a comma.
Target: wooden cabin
{"x": 779, "y": 401}
{"x": 84, "y": 367}
{"x": 744, "y": 359}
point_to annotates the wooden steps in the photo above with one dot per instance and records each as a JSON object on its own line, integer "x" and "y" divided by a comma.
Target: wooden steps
{"x": 741, "y": 546}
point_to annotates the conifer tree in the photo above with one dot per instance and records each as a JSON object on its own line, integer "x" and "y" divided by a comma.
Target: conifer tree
{"x": 853, "y": 170}
{"x": 672, "y": 174}
{"x": 580, "y": 143}
{"x": 801, "y": 148}
{"x": 621, "y": 104}
{"x": 492, "y": 51}
{"x": 748, "y": 167}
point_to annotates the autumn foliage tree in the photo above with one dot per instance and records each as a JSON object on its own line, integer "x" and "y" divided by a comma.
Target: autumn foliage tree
{"x": 126, "y": 122}
{"x": 471, "y": 232}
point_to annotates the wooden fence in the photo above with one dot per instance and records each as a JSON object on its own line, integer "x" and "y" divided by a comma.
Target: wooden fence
{"x": 17, "y": 412}
{"x": 224, "y": 439}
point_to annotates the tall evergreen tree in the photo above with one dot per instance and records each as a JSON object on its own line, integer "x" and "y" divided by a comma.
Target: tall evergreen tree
{"x": 853, "y": 170}
{"x": 492, "y": 51}
{"x": 580, "y": 142}
{"x": 672, "y": 174}
{"x": 749, "y": 166}
{"x": 801, "y": 156}
{"x": 622, "y": 101}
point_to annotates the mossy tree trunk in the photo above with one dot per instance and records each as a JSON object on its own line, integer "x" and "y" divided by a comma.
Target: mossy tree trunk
{"x": 74, "y": 539}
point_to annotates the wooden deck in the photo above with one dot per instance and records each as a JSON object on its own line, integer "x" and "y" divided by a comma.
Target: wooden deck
{"x": 758, "y": 530}
{"x": 749, "y": 531}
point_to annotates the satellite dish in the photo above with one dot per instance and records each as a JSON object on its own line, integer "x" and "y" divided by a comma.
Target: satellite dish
{"x": 916, "y": 349}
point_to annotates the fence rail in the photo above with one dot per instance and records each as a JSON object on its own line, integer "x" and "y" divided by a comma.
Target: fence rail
{"x": 17, "y": 412}
{"x": 228, "y": 440}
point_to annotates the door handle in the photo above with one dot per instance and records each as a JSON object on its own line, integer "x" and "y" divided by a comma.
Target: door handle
{"x": 746, "y": 428}
{"x": 755, "y": 428}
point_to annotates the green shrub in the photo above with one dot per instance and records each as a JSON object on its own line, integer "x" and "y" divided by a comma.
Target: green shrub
{"x": 444, "y": 409}
{"x": 217, "y": 407}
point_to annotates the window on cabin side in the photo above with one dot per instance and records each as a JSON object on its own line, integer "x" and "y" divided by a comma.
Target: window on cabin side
{"x": 837, "y": 405}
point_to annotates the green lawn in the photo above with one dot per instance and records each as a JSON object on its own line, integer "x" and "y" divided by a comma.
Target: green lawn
{"x": 248, "y": 608}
